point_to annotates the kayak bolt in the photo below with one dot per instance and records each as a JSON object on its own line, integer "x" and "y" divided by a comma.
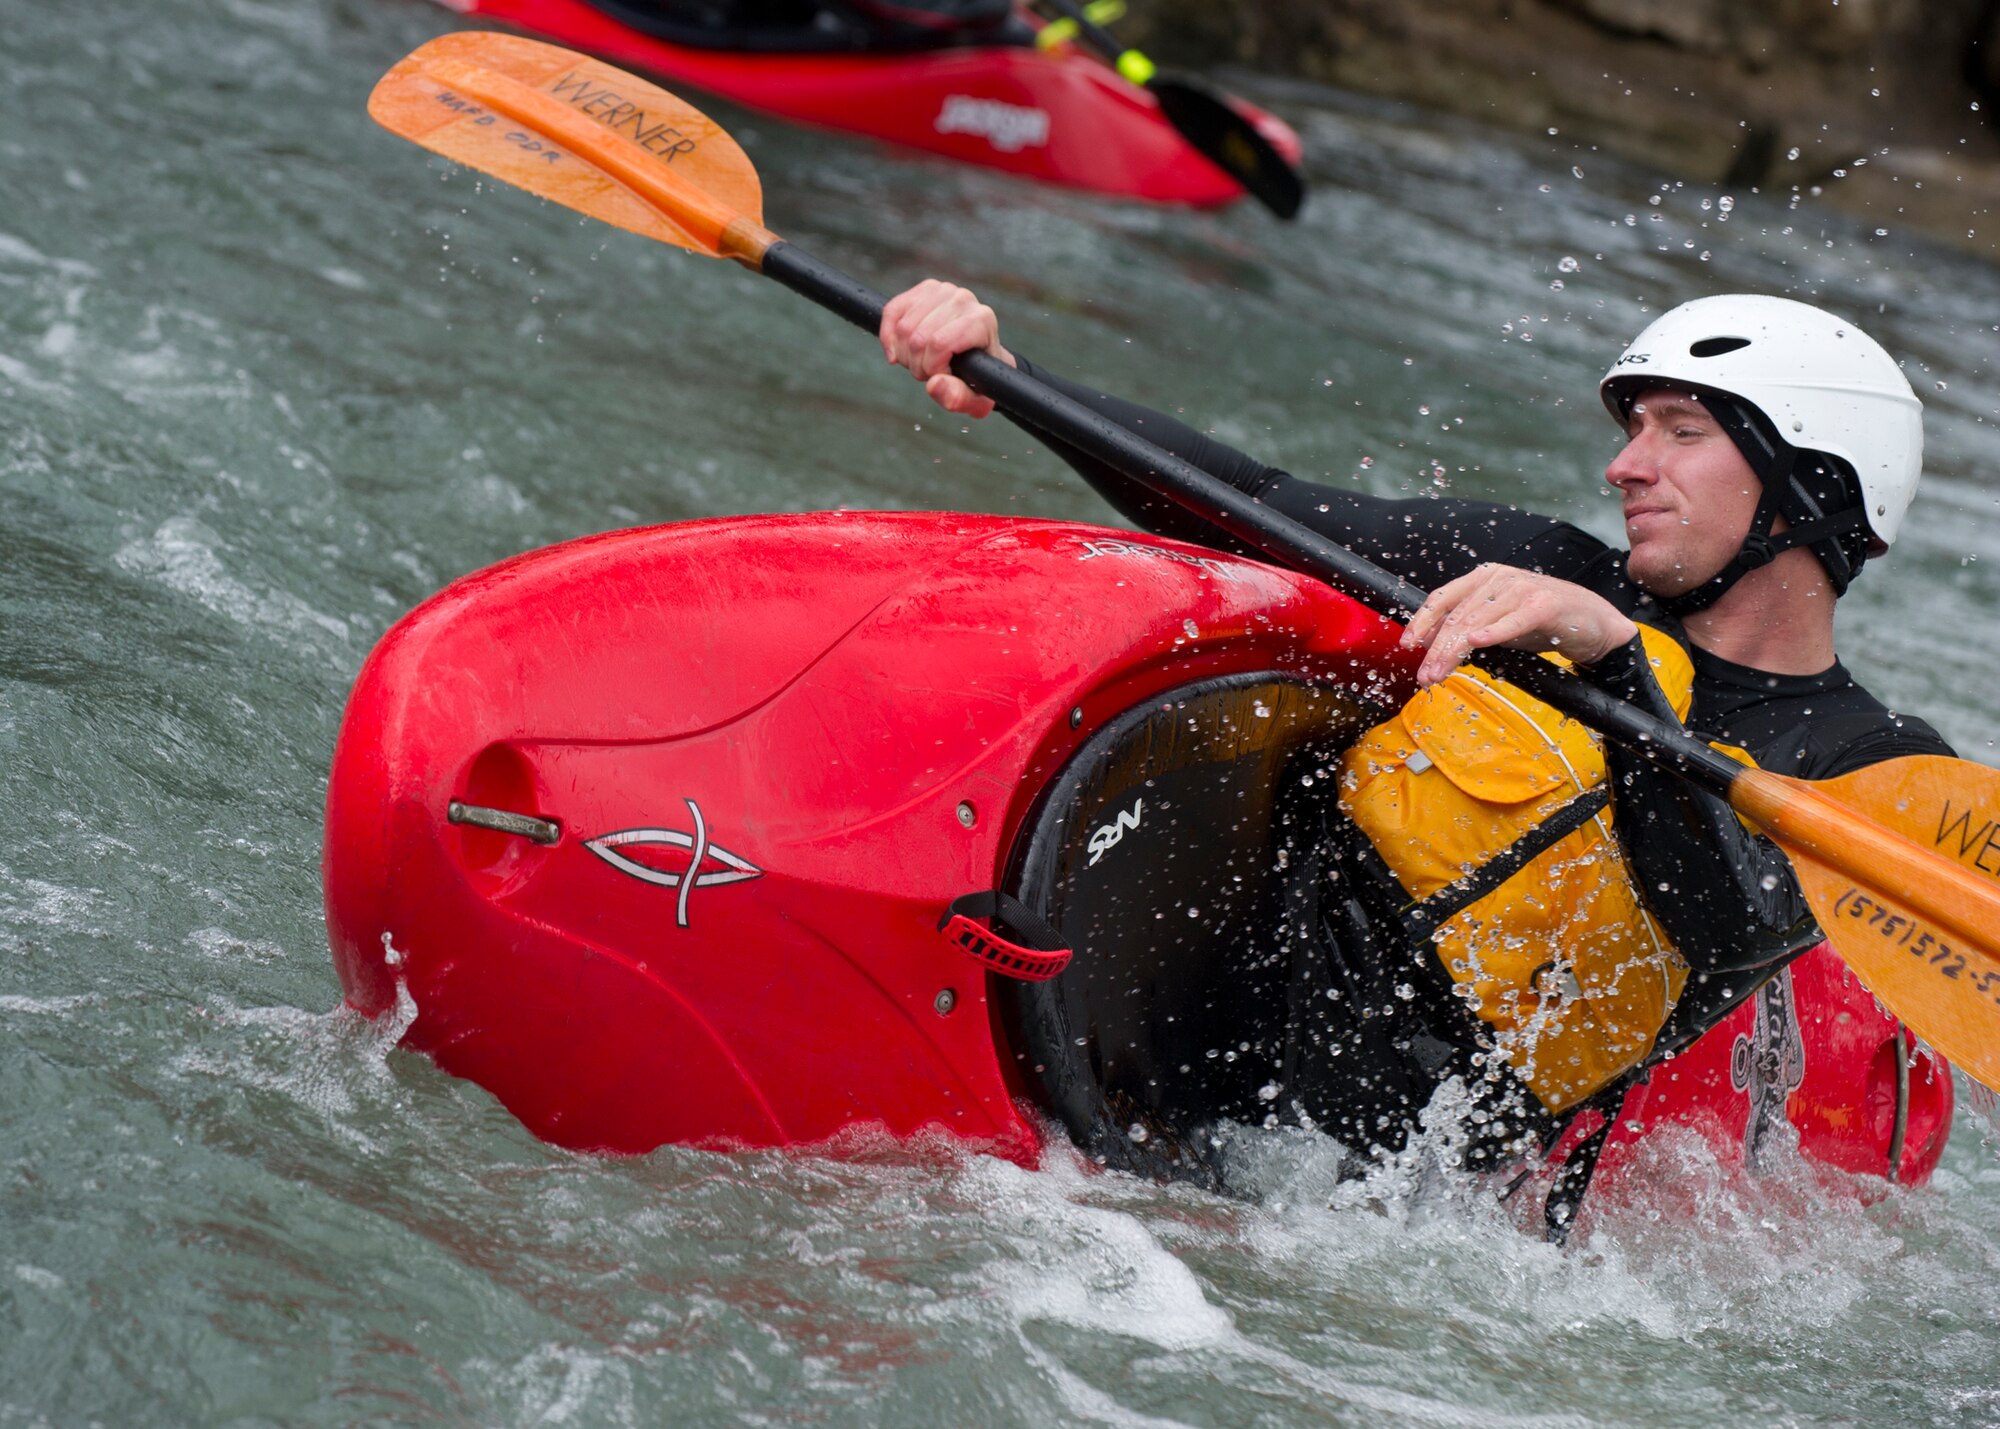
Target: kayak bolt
{"x": 1076, "y": 717}
{"x": 542, "y": 831}
{"x": 945, "y": 1001}
{"x": 967, "y": 815}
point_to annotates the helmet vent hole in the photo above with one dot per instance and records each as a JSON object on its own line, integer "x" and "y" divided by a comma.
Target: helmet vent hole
{"x": 1716, "y": 346}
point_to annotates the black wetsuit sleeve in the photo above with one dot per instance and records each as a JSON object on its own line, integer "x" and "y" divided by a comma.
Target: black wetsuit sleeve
{"x": 1424, "y": 540}
{"x": 1144, "y": 509}
{"x": 1727, "y": 897}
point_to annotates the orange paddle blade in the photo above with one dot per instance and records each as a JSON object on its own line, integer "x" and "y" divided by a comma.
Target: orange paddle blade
{"x": 581, "y": 133}
{"x": 1901, "y": 864}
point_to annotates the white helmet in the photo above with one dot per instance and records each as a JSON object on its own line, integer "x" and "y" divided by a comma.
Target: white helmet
{"x": 1818, "y": 381}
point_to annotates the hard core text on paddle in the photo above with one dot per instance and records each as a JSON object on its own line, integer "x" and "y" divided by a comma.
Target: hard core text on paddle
{"x": 485, "y": 118}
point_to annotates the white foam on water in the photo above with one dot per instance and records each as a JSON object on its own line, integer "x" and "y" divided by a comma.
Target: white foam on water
{"x": 1982, "y": 1108}
{"x": 45, "y": 1006}
{"x": 41, "y": 1279}
{"x": 1087, "y": 1266}
{"x": 1087, "y": 1402}
{"x": 491, "y": 493}
{"x": 225, "y": 947}
{"x": 1120, "y": 1273}
{"x": 20, "y": 252}
{"x": 1681, "y": 1248}
{"x": 309, "y": 1057}
{"x": 183, "y": 555}
{"x": 561, "y": 1384}
{"x": 19, "y": 374}
{"x": 60, "y": 340}
{"x": 35, "y": 902}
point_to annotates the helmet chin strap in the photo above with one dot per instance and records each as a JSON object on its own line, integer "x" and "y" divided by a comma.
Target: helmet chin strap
{"x": 1787, "y": 477}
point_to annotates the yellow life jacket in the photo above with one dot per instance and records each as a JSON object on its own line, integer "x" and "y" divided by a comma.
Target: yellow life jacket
{"x": 1561, "y": 960}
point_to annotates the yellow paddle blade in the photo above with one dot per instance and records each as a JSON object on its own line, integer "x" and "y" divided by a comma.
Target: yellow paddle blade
{"x": 1901, "y": 864}
{"x": 580, "y": 133}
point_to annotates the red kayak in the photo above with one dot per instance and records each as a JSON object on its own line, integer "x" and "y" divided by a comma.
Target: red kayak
{"x": 1055, "y": 114}
{"x": 691, "y": 834}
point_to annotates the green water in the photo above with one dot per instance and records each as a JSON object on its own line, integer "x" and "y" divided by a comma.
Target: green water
{"x": 268, "y": 377}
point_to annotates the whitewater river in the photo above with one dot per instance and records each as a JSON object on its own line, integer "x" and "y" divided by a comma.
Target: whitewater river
{"x": 269, "y": 377}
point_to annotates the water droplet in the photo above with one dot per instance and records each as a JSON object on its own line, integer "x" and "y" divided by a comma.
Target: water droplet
{"x": 1881, "y": 233}
{"x": 1567, "y": 264}
{"x": 1725, "y": 203}
{"x": 1940, "y": 386}
{"x": 1268, "y": 1092}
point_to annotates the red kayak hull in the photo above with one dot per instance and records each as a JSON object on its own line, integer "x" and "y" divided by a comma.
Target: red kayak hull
{"x": 851, "y": 713}
{"x": 771, "y": 751}
{"x": 1056, "y": 115}
{"x": 1806, "y": 1067}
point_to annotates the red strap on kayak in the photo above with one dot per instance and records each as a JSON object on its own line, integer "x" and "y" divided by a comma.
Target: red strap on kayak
{"x": 990, "y": 946}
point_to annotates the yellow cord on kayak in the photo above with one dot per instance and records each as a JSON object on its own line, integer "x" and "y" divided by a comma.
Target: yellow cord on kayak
{"x": 1136, "y": 67}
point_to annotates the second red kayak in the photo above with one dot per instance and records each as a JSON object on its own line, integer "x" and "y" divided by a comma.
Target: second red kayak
{"x": 1049, "y": 114}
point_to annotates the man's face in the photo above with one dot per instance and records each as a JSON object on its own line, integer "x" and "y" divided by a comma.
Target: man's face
{"x": 1689, "y": 494}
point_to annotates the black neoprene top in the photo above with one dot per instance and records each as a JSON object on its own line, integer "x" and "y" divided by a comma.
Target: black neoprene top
{"x": 1735, "y": 910}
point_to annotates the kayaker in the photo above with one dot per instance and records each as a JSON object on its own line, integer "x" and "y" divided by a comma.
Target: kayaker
{"x": 1771, "y": 450}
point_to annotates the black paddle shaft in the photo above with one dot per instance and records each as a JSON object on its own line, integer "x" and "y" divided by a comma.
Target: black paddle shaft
{"x": 1099, "y": 38}
{"x": 1284, "y": 540}
{"x": 1209, "y": 124}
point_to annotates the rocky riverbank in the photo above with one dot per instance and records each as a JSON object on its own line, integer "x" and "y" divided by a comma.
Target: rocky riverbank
{"x": 1889, "y": 109}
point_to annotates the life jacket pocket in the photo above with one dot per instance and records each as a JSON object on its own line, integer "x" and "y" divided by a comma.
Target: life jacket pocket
{"x": 1554, "y": 952}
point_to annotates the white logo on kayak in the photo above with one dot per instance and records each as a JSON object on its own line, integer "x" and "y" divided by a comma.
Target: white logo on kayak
{"x": 733, "y": 869}
{"x": 1007, "y": 127}
{"x": 1106, "y": 838}
{"x": 1769, "y": 1063}
{"x": 1221, "y": 570}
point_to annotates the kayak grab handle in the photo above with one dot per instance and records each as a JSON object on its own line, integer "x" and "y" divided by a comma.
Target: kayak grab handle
{"x": 1038, "y": 960}
{"x": 527, "y": 826}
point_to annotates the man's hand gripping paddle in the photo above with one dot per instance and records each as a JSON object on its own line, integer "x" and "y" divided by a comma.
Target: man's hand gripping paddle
{"x": 1900, "y": 862}
{"x": 1211, "y": 127}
